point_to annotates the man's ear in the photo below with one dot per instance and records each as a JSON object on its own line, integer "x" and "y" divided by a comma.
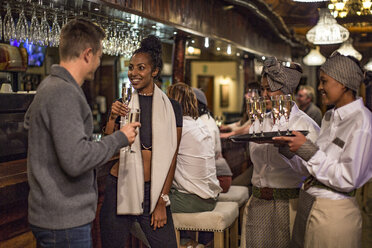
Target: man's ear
{"x": 155, "y": 72}
{"x": 87, "y": 54}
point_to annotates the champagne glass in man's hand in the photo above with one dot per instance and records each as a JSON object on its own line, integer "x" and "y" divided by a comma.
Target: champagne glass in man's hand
{"x": 134, "y": 117}
{"x": 130, "y": 131}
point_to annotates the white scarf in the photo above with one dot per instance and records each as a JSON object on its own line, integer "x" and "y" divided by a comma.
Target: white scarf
{"x": 130, "y": 194}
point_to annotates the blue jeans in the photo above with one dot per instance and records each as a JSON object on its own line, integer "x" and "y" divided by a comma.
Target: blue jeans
{"x": 76, "y": 237}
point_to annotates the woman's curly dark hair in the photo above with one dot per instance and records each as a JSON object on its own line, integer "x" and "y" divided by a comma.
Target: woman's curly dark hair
{"x": 152, "y": 46}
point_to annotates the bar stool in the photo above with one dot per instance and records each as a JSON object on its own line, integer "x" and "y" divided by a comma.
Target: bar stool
{"x": 238, "y": 194}
{"x": 222, "y": 221}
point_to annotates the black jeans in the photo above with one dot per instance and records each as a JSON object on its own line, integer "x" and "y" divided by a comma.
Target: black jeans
{"x": 115, "y": 228}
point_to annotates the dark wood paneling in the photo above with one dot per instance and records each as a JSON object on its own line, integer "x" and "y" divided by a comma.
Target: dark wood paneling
{"x": 209, "y": 19}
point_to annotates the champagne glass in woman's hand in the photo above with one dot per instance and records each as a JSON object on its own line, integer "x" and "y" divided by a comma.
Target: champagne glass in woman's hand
{"x": 126, "y": 95}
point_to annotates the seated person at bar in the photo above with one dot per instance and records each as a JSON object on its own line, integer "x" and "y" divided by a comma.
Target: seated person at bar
{"x": 270, "y": 212}
{"x": 137, "y": 188}
{"x": 305, "y": 97}
{"x": 339, "y": 161}
{"x": 195, "y": 185}
{"x": 224, "y": 174}
{"x": 243, "y": 125}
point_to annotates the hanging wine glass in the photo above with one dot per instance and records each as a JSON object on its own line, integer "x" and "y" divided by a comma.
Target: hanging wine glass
{"x": 9, "y": 27}
{"x": 1, "y": 28}
{"x": 55, "y": 32}
{"x": 22, "y": 27}
{"x": 44, "y": 31}
{"x": 34, "y": 29}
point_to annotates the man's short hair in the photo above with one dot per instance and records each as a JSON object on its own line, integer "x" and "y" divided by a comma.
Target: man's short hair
{"x": 78, "y": 35}
{"x": 310, "y": 92}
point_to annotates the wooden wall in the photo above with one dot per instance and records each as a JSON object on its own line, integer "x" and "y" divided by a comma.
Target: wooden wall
{"x": 208, "y": 18}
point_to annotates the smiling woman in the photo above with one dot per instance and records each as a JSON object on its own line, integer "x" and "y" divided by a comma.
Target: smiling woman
{"x": 138, "y": 186}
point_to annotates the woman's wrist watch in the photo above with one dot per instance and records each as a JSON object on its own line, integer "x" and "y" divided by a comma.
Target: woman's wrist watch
{"x": 165, "y": 198}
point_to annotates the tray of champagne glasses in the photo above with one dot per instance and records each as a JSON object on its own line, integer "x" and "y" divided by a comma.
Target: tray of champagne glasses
{"x": 265, "y": 137}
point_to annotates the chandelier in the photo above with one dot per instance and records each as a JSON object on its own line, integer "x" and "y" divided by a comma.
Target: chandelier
{"x": 327, "y": 31}
{"x": 343, "y": 8}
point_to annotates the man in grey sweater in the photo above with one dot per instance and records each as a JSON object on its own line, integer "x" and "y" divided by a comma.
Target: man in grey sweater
{"x": 62, "y": 158}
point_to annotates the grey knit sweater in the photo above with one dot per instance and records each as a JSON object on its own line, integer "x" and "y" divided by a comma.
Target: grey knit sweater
{"x": 62, "y": 158}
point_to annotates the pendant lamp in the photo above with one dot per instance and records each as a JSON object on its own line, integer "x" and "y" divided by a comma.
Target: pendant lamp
{"x": 327, "y": 31}
{"x": 348, "y": 49}
{"x": 314, "y": 58}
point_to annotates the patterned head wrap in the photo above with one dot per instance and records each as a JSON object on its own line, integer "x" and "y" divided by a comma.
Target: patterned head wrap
{"x": 344, "y": 70}
{"x": 280, "y": 77}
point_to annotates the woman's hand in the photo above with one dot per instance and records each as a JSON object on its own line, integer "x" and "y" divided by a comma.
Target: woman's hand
{"x": 159, "y": 216}
{"x": 118, "y": 109}
{"x": 294, "y": 142}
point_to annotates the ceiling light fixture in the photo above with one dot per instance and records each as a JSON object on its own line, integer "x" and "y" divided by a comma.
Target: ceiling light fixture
{"x": 348, "y": 49}
{"x": 327, "y": 31}
{"x": 343, "y": 8}
{"x": 368, "y": 66}
{"x": 228, "y": 50}
{"x": 206, "y": 42}
{"x": 314, "y": 58}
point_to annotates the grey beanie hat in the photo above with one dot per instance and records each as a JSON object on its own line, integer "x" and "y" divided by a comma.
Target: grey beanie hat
{"x": 280, "y": 77}
{"x": 344, "y": 70}
{"x": 200, "y": 96}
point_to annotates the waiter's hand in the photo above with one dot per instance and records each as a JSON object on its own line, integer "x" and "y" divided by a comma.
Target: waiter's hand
{"x": 293, "y": 142}
{"x": 130, "y": 131}
{"x": 118, "y": 109}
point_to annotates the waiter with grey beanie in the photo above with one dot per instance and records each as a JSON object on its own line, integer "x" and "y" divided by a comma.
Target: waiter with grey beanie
{"x": 339, "y": 161}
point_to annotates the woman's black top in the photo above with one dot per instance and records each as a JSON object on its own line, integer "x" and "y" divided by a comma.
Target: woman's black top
{"x": 146, "y": 117}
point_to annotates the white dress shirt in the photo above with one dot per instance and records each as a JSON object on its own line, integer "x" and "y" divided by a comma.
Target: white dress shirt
{"x": 270, "y": 168}
{"x": 214, "y": 131}
{"x": 344, "y": 158}
{"x": 196, "y": 169}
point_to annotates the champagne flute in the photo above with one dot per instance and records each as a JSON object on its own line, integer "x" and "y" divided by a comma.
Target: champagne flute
{"x": 286, "y": 104}
{"x": 251, "y": 113}
{"x": 126, "y": 95}
{"x": 260, "y": 112}
{"x": 276, "y": 109}
{"x": 134, "y": 116}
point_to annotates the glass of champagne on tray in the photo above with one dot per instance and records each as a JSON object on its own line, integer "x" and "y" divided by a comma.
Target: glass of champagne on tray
{"x": 126, "y": 95}
{"x": 134, "y": 116}
{"x": 276, "y": 109}
{"x": 260, "y": 108}
{"x": 286, "y": 104}
{"x": 251, "y": 113}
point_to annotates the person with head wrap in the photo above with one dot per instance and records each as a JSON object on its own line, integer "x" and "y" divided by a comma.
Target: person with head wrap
{"x": 270, "y": 212}
{"x": 339, "y": 161}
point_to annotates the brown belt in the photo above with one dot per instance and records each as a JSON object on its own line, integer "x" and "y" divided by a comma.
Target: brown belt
{"x": 275, "y": 194}
{"x": 312, "y": 181}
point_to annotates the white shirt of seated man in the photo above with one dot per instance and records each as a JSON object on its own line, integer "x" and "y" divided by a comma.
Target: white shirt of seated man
{"x": 196, "y": 169}
{"x": 271, "y": 169}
